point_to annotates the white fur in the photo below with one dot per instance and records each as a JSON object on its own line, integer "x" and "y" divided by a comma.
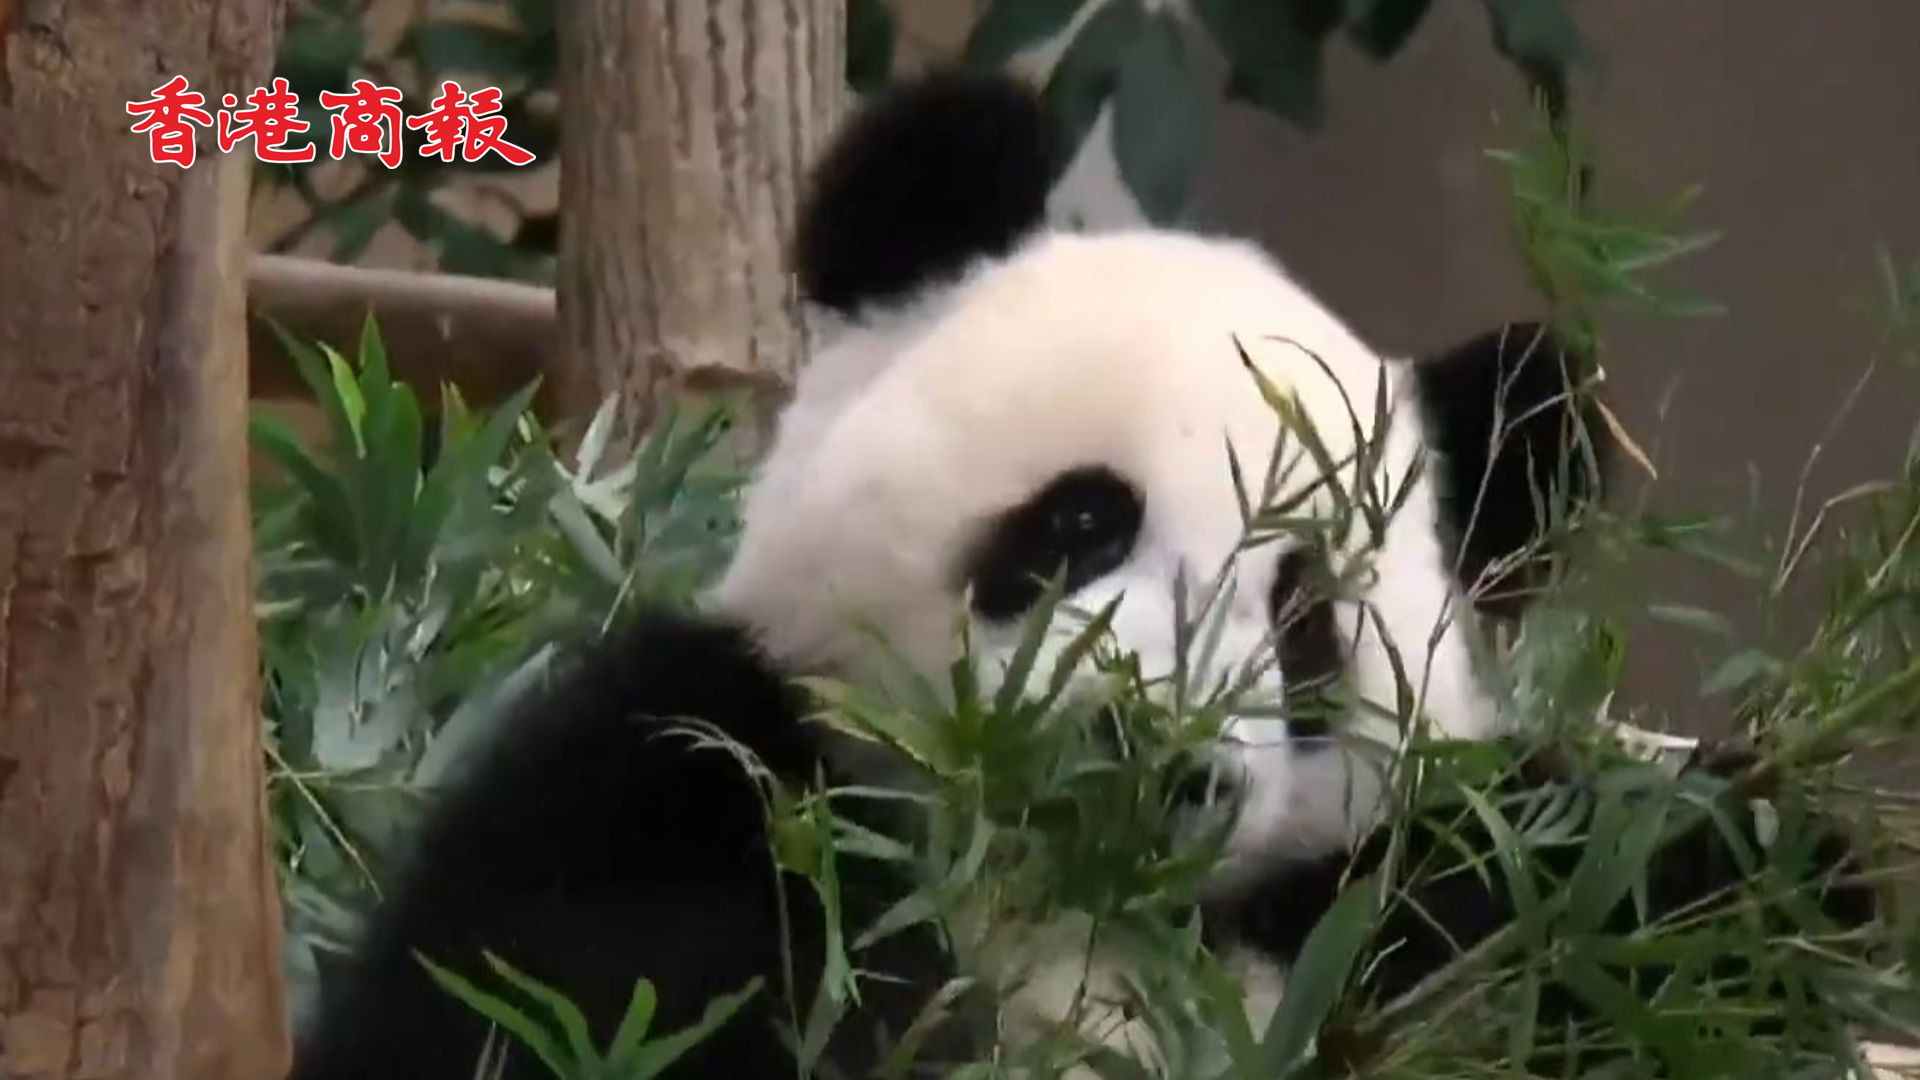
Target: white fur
{"x": 1117, "y": 348}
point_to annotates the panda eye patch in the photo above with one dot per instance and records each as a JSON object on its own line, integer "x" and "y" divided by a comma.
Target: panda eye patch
{"x": 1082, "y": 524}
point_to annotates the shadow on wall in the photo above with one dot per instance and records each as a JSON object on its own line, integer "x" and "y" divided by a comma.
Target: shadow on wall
{"x": 1801, "y": 122}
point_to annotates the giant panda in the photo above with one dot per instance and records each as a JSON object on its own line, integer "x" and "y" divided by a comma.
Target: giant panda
{"x": 996, "y": 404}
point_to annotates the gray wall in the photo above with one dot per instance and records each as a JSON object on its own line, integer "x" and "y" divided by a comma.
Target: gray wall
{"x": 1802, "y": 122}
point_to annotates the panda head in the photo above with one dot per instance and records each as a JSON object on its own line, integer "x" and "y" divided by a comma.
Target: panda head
{"x": 999, "y": 402}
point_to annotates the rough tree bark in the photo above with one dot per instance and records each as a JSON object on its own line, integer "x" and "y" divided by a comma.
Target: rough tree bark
{"x": 139, "y": 919}
{"x": 690, "y": 126}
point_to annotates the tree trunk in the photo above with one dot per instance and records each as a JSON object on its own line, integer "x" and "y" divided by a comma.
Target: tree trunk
{"x": 139, "y": 919}
{"x": 696, "y": 121}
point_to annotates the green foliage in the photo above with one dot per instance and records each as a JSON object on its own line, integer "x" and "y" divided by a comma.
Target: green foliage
{"x": 1159, "y": 118}
{"x": 1853, "y": 690}
{"x": 1382, "y": 27}
{"x": 1580, "y": 262}
{"x": 1004, "y": 30}
{"x": 1133, "y": 55}
{"x": 1274, "y": 52}
{"x": 410, "y": 575}
{"x": 1537, "y": 35}
{"x": 1850, "y": 689}
{"x": 1088, "y": 69}
{"x": 1319, "y": 979}
{"x": 563, "y": 1043}
{"x": 508, "y": 44}
{"x": 1129, "y": 54}
{"x": 871, "y": 36}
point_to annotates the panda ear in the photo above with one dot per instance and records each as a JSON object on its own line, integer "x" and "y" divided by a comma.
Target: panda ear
{"x": 1515, "y": 445}
{"x": 932, "y": 174}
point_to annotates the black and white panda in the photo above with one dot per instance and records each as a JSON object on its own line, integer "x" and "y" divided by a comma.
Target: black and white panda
{"x": 996, "y": 402}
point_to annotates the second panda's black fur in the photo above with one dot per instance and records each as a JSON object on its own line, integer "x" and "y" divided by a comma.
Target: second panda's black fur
{"x": 1515, "y": 439}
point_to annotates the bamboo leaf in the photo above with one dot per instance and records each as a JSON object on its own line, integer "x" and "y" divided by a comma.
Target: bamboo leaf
{"x": 1316, "y": 981}
{"x": 635, "y": 1022}
{"x": 1009, "y": 27}
{"x": 515, "y": 1022}
{"x": 653, "y": 1058}
{"x": 1382, "y": 27}
{"x": 1084, "y": 78}
{"x": 1274, "y": 54}
{"x": 1159, "y": 118}
{"x": 871, "y": 36}
{"x": 573, "y": 1023}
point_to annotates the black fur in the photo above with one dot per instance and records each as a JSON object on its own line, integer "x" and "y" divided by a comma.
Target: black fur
{"x": 1312, "y": 657}
{"x": 929, "y": 176}
{"x": 591, "y": 846}
{"x": 1447, "y": 907}
{"x": 1522, "y": 386}
{"x": 1083, "y": 524}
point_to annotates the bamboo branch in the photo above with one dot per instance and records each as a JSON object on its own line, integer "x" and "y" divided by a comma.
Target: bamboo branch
{"x": 488, "y": 337}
